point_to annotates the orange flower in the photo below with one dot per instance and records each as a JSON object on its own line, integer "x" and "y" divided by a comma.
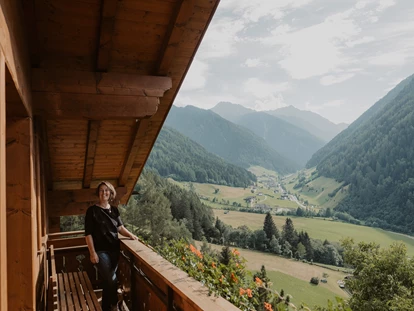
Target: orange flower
{"x": 200, "y": 266}
{"x": 183, "y": 258}
{"x": 234, "y": 278}
{"x": 196, "y": 251}
{"x": 258, "y": 281}
{"x": 237, "y": 265}
{"x": 222, "y": 278}
{"x": 236, "y": 252}
{"x": 242, "y": 291}
{"x": 213, "y": 265}
{"x": 192, "y": 248}
{"x": 268, "y": 306}
{"x": 249, "y": 293}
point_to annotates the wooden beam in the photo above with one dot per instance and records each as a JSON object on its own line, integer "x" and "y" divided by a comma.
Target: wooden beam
{"x": 14, "y": 47}
{"x": 84, "y": 82}
{"x": 93, "y": 107}
{"x": 137, "y": 138}
{"x": 108, "y": 13}
{"x": 177, "y": 27}
{"x": 90, "y": 152}
{"x": 3, "y": 224}
{"x": 21, "y": 217}
{"x": 76, "y": 202}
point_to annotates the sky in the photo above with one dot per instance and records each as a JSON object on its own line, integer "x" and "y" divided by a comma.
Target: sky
{"x": 332, "y": 57}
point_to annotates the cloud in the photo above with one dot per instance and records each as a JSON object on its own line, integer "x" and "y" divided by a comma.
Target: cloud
{"x": 221, "y": 38}
{"x": 385, "y": 4}
{"x": 253, "y": 11}
{"x": 196, "y": 77}
{"x": 330, "y": 79}
{"x": 363, "y": 40}
{"x": 254, "y": 62}
{"x": 391, "y": 59}
{"x": 267, "y": 96}
{"x": 203, "y": 100}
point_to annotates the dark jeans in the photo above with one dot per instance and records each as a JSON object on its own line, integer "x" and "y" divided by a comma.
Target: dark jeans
{"x": 107, "y": 267}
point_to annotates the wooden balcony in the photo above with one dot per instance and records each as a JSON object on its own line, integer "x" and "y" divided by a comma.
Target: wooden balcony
{"x": 148, "y": 281}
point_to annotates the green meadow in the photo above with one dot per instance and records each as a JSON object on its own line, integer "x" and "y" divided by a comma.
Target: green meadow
{"x": 319, "y": 228}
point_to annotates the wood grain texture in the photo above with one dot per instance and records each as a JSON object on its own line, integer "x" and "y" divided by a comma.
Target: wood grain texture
{"x": 3, "y": 223}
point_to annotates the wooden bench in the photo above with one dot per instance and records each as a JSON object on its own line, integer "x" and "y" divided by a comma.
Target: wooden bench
{"x": 70, "y": 291}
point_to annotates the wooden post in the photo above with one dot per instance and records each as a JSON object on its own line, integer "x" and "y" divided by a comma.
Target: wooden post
{"x": 22, "y": 262}
{"x": 3, "y": 225}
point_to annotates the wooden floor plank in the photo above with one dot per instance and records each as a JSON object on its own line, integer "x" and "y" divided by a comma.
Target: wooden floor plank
{"x": 74, "y": 292}
{"x": 62, "y": 297}
{"x": 81, "y": 292}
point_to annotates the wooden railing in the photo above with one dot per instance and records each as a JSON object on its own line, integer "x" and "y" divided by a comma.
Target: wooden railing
{"x": 149, "y": 281}
{"x": 152, "y": 283}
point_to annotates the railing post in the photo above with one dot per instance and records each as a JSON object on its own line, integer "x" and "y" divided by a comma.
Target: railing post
{"x": 134, "y": 297}
{"x": 170, "y": 299}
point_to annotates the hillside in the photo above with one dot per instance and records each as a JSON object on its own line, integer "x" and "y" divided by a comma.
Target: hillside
{"x": 233, "y": 143}
{"x": 177, "y": 156}
{"x": 375, "y": 156}
{"x": 345, "y": 136}
{"x": 309, "y": 121}
{"x": 290, "y": 141}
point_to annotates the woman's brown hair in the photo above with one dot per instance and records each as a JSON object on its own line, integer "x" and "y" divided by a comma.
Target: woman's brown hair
{"x": 110, "y": 187}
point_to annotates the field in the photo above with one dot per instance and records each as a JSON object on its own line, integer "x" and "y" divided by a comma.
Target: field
{"x": 321, "y": 229}
{"x": 293, "y": 277}
{"x": 317, "y": 191}
{"x": 233, "y": 194}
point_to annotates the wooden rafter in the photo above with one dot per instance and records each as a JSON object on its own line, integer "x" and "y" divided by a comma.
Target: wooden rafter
{"x": 111, "y": 83}
{"x": 137, "y": 138}
{"x": 108, "y": 13}
{"x": 14, "y": 46}
{"x": 3, "y": 223}
{"x": 183, "y": 14}
{"x": 93, "y": 107}
{"x": 75, "y": 202}
{"x": 96, "y": 96}
{"x": 90, "y": 152}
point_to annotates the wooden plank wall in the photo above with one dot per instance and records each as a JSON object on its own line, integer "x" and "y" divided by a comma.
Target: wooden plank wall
{"x": 3, "y": 229}
{"x": 22, "y": 261}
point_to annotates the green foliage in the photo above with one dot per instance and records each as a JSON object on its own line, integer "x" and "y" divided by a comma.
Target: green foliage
{"x": 177, "y": 156}
{"x": 233, "y": 143}
{"x": 374, "y": 156}
{"x": 315, "y": 280}
{"x": 269, "y": 227}
{"x": 231, "y": 281}
{"x": 383, "y": 278}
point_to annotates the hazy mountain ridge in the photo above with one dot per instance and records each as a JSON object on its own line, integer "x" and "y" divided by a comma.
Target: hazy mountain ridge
{"x": 290, "y": 141}
{"x": 311, "y": 122}
{"x": 375, "y": 156}
{"x": 177, "y": 156}
{"x": 232, "y": 142}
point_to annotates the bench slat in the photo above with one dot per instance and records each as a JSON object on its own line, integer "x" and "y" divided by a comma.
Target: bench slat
{"x": 75, "y": 295}
{"x": 90, "y": 290}
{"x": 81, "y": 291}
{"x": 62, "y": 300}
{"x": 67, "y": 292}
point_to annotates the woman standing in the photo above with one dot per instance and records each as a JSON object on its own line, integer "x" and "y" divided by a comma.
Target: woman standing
{"x": 102, "y": 225}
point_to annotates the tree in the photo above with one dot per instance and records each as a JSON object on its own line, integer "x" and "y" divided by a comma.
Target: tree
{"x": 289, "y": 234}
{"x": 225, "y": 255}
{"x": 383, "y": 278}
{"x": 269, "y": 227}
{"x": 274, "y": 246}
{"x": 301, "y": 251}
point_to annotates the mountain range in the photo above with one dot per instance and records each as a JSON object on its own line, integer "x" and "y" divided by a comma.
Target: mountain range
{"x": 309, "y": 121}
{"x": 375, "y": 157}
{"x": 182, "y": 159}
{"x": 232, "y": 142}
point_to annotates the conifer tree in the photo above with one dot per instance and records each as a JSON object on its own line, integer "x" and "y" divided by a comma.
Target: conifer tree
{"x": 269, "y": 227}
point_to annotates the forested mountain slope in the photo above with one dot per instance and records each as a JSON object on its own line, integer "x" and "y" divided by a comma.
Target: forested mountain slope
{"x": 376, "y": 157}
{"x": 232, "y": 142}
{"x": 230, "y": 111}
{"x": 177, "y": 156}
{"x": 290, "y": 141}
{"x": 345, "y": 137}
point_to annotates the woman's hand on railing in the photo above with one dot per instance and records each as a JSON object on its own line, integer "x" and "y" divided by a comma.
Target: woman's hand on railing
{"x": 94, "y": 258}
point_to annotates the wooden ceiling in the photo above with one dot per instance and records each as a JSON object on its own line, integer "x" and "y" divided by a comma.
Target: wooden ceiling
{"x": 104, "y": 76}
